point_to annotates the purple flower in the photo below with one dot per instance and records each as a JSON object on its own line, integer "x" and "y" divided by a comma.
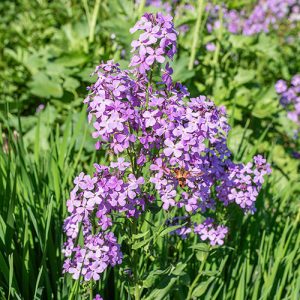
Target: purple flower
{"x": 168, "y": 197}
{"x": 280, "y": 86}
{"x": 172, "y": 148}
{"x": 209, "y": 231}
{"x": 122, "y": 165}
{"x": 290, "y": 97}
{"x": 150, "y": 118}
{"x": 211, "y": 47}
{"x": 40, "y": 108}
{"x": 154, "y": 55}
{"x": 296, "y": 80}
{"x": 166, "y": 77}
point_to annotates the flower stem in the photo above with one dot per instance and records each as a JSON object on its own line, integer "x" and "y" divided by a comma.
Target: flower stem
{"x": 137, "y": 292}
{"x": 219, "y": 38}
{"x": 192, "y": 286}
{"x": 196, "y": 33}
{"x": 91, "y": 290}
{"x": 141, "y": 8}
{"x": 134, "y": 262}
{"x": 148, "y": 87}
{"x": 94, "y": 20}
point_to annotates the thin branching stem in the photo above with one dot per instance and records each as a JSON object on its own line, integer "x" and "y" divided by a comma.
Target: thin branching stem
{"x": 201, "y": 5}
{"x": 94, "y": 20}
{"x": 192, "y": 286}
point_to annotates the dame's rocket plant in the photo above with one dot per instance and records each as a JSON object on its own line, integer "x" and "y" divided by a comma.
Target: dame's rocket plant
{"x": 290, "y": 97}
{"x": 165, "y": 148}
{"x": 289, "y": 93}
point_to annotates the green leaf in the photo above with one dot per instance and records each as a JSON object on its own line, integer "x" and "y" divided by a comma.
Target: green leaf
{"x": 72, "y": 59}
{"x": 139, "y": 235}
{"x": 181, "y": 73}
{"x": 200, "y": 247}
{"x": 179, "y": 269}
{"x": 140, "y": 244}
{"x": 163, "y": 288}
{"x": 71, "y": 84}
{"x": 202, "y": 287}
{"x": 266, "y": 103}
{"x": 240, "y": 41}
{"x": 153, "y": 276}
{"x": 243, "y": 76}
{"x": 43, "y": 86}
{"x": 170, "y": 229}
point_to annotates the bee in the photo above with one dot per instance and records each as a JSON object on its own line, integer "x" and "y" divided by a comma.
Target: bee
{"x": 182, "y": 175}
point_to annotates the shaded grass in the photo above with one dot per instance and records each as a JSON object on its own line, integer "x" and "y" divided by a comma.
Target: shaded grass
{"x": 34, "y": 187}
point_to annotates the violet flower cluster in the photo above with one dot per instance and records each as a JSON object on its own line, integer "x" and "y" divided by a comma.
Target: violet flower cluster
{"x": 163, "y": 147}
{"x": 289, "y": 93}
{"x": 266, "y": 15}
{"x": 157, "y": 42}
{"x": 174, "y": 7}
{"x": 290, "y": 97}
{"x": 165, "y": 6}
{"x": 209, "y": 231}
{"x": 244, "y": 183}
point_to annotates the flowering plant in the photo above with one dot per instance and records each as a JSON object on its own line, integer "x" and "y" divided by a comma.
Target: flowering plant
{"x": 164, "y": 151}
{"x": 290, "y": 100}
{"x": 265, "y": 16}
{"x": 290, "y": 97}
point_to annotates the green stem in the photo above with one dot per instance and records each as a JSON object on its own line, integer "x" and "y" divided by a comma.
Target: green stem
{"x": 91, "y": 290}
{"x": 137, "y": 292}
{"x": 133, "y": 230}
{"x": 149, "y": 84}
{"x": 73, "y": 290}
{"x": 141, "y": 8}
{"x": 134, "y": 261}
{"x": 192, "y": 286}
{"x": 219, "y": 35}
{"x": 132, "y": 154}
{"x": 87, "y": 11}
{"x": 94, "y": 20}
{"x": 196, "y": 33}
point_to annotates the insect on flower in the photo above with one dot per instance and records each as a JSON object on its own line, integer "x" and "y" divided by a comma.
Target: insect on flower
{"x": 182, "y": 175}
